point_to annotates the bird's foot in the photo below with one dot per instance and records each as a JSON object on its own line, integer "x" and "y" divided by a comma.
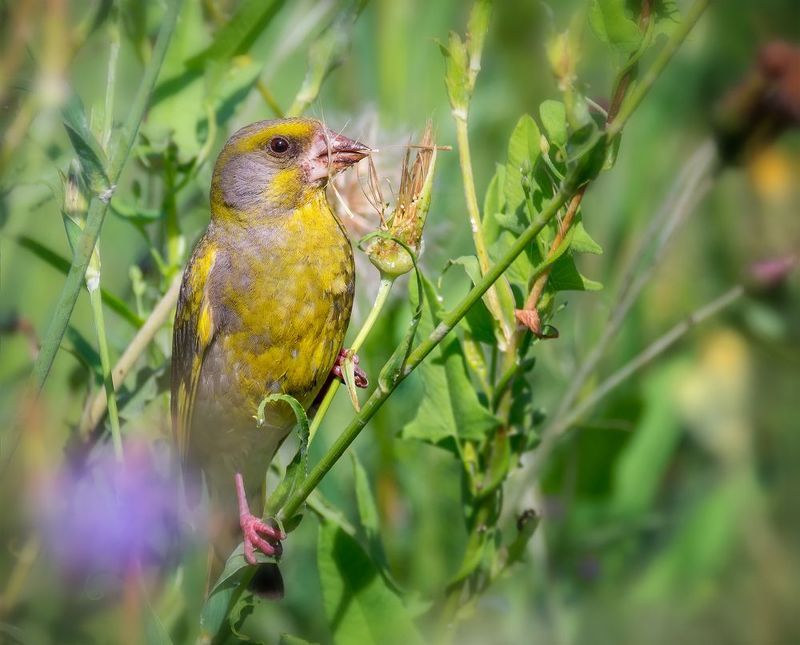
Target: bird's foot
{"x": 256, "y": 533}
{"x": 360, "y": 375}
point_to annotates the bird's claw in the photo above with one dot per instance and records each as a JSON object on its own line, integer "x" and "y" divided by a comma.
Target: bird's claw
{"x": 360, "y": 375}
{"x": 256, "y": 533}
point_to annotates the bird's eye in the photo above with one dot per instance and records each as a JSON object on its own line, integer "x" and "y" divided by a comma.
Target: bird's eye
{"x": 278, "y": 145}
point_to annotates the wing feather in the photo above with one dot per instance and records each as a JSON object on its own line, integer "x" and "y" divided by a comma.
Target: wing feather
{"x": 193, "y": 333}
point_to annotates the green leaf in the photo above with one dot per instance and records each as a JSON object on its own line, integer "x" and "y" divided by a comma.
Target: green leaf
{"x": 582, "y": 242}
{"x": 197, "y": 87}
{"x": 149, "y": 383}
{"x": 84, "y": 351}
{"x": 478, "y": 319}
{"x": 178, "y": 100}
{"x": 288, "y": 639}
{"x": 565, "y": 276}
{"x": 499, "y": 464}
{"x": 227, "y": 588}
{"x": 703, "y": 543}
{"x": 298, "y": 468}
{"x": 367, "y": 511}
{"x": 456, "y": 75}
{"x": 155, "y": 632}
{"x": 613, "y": 25}
{"x": 493, "y": 204}
{"x": 135, "y": 213}
{"x": 360, "y": 607}
{"x": 370, "y": 522}
{"x": 239, "y": 33}
{"x": 450, "y": 410}
{"x": 292, "y": 479}
{"x": 523, "y": 151}
{"x": 477, "y": 27}
{"x": 587, "y": 155}
{"x": 554, "y": 120}
{"x": 89, "y": 151}
{"x": 326, "y": 53}
{"x": 61, "y": 264}
{"x": 640, "y": 471}
{"x": 133, "y": 16}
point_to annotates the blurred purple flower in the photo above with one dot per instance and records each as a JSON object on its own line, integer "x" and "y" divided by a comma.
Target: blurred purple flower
{"x": 104, "y": 516}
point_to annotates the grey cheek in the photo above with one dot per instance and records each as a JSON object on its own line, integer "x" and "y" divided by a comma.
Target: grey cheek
{"x": 243, "y": 181}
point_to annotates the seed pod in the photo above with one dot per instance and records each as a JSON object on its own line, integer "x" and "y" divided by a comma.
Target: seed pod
{"x": 407, "y": 221}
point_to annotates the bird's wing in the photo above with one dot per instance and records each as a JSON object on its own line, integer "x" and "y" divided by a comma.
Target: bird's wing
{"x": 193, "y": 334}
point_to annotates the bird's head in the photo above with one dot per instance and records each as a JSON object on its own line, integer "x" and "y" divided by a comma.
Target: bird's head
{"x": 278, "y": 165}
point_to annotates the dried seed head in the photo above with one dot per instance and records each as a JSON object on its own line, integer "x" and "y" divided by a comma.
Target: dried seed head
{"x": 407, "y": 221}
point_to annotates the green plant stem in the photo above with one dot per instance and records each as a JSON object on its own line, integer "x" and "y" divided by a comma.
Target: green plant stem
{"x": 471, "y": 199}
{"x": 105, "y": 362}
{"x": 96, "y": 407}
{"x": 637, "y": 94}
{"x": 449, "y": 321}
{"x": 99, "y": 206}
{"x": 93, "y": 282}
{"x": 380, "y": 300}
{"x": 470, "y": 196}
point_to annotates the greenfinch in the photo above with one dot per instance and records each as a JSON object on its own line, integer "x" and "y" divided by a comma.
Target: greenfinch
{"x": 263, "y": 308}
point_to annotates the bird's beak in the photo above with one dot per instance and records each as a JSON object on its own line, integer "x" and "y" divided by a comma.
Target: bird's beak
{"x": 333, "y": 152}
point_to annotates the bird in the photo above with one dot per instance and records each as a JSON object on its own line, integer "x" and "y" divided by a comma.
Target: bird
{"x": 263, "y": 308}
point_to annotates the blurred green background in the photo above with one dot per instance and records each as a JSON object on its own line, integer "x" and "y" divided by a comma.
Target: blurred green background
{"x": 670, "y": 516}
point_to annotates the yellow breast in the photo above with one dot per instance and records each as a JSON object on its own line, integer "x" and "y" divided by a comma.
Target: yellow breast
{"x": 289, "y": 289}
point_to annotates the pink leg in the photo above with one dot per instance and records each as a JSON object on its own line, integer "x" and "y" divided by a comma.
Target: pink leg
{"x": 360, "y": 375}
{"x": 252, "y": 527}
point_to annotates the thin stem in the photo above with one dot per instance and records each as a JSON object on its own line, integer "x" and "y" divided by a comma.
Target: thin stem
{"x": 381, "y": 297}
{"x": 471, "y": 198}
{"x": 655, "y": 349}
{"x": 638, "y": 93}
{"x": 143, "y": 337}
{"x": 111, "y": 81}
{"x": 380, "y": 300}
{"x": 105, "y": 362}
{"x": 689, "y": 188}
{"x": 449, "y": 321}
{"x": 535, "y": 295}
{"x": 269, "y": 98}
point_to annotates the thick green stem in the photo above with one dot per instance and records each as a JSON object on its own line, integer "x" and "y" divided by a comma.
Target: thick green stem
{"x": 380, "y": 300}
{"x": 449, "y": 321}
